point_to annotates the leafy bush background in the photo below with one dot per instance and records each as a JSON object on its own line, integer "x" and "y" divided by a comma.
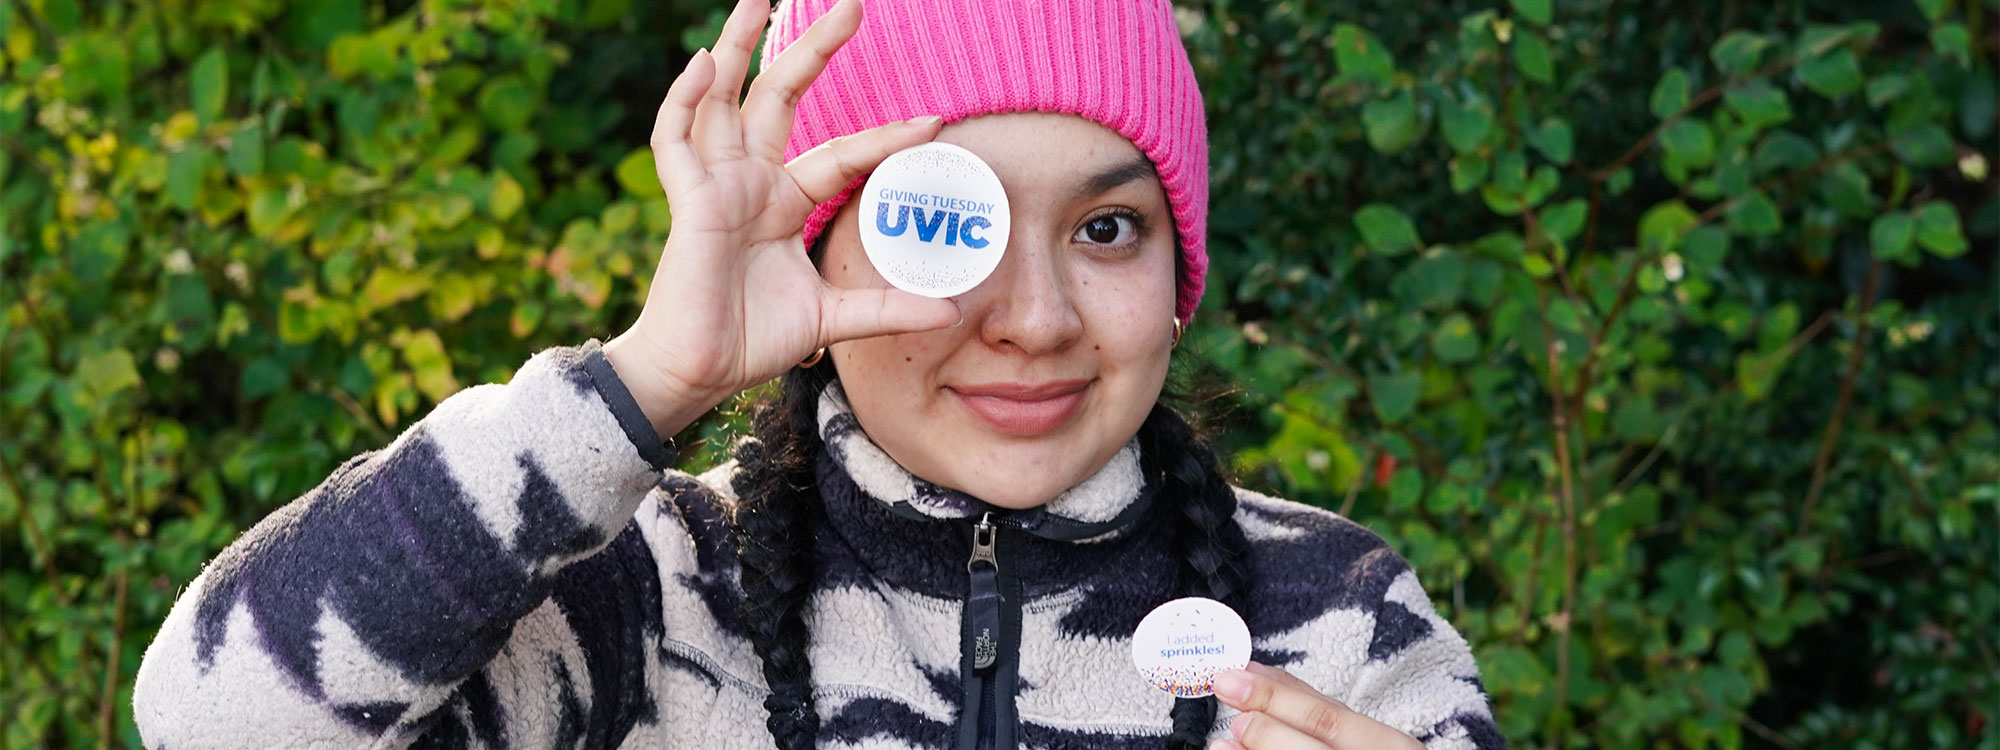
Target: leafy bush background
{"x": 1661, "y": 337}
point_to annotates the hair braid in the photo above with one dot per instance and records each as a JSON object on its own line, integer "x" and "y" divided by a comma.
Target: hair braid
{"x": 1214, "y": 552}
{"x": 771, "y": 526}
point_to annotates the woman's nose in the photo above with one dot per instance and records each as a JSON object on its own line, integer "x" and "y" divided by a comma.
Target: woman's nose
{"x": 1029, "y": 304}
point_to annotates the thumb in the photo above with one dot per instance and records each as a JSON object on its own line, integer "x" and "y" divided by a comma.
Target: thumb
{"x": 847, "y": 314}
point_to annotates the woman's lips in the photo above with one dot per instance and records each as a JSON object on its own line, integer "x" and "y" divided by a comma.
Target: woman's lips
{"x": 1023, "y": 408}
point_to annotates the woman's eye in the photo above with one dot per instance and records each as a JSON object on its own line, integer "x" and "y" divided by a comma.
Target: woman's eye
{"x": 1112, "y": 229}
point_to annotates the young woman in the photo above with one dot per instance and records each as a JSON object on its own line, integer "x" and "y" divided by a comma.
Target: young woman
{"x": 944, "y": 529}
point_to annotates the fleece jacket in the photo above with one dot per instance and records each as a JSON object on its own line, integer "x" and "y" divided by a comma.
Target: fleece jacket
{"x": 522, "y": 568}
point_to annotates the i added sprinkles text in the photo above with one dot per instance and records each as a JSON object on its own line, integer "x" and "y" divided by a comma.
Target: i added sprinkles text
{"x": 1192, "y": 645}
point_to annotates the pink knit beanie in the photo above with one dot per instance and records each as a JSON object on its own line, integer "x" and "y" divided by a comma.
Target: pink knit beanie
{"x": 1117, "y": 62}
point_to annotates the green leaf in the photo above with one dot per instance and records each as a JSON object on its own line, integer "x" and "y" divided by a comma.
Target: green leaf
{"x": 388, "y": 285}
{"x": 267, "y": 209}
{"x": 1510, "y": 171}
{"x": 1563, "y": 314}
{"x": 506, "y": 197}
{"x": 246, "y": 151}
{"x": 1636, "y": 418}
{"x": 1531, "y": 54}
{"x": 1933, "y": 9}
{"x": 619, "y": 218}
{"x": 507, "y": 103}
{"x": 1619, "y": 182}
{"x": 1536, "y": 11}
{"x": 1758, "y": 103}
{"x": 1406, "y": 487}
{"x": 1953, "y": 41}
{"x": 314, "y": 24}
{"x": 636, "y": 174}
{"x": 1670, "y": 95}
{"x": 1468, "y": 171}
{"x": 1889, "y": 238}
{"x": 1704, "y": 248}
{"x": 1394, "y": 395}
{"x": 1848, "y": 190}
{"x": 1661, "y": 227}
{"x": 1738, "y": 52}
{"x": 1756, "y": 215}
{"x": 1938, "y": 229}
{"x": 1537, "y": 266}
{"x": 1359, "y": 55}
{"x": 1391, "y": 123}
{"x": 184, "y": 171}
{"x": 1836, "y": 73}
{"x": 1978, "y": 100}
{"x": 1565, "y": 220}
{"x": 209, "y": 81}
{"x": 1783, "y": 149}
{"x": 1434, "y": 281}
{"x": 1690, "y": 141}
{"x": 1465, "y": 125}
{"x": 262, "y": 377}
{"x": 108, "y": 372}
{"x": 1455, "y": 340}
{"x": 1756, "y": 373}
{"x": 359, "y": 53}
{"x": 431, "y": 365}
{"x": 1925, "y": 144}
{"x": 1554, "y": 139}
{"x": 453, "y": 297}
{"x": 1887, "y": 88}
{"x": 1542, "y": 184}
{"x": 1386, "y": 230}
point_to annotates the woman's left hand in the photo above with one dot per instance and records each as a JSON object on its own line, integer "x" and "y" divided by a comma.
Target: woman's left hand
{"x": 1282, "y": 712}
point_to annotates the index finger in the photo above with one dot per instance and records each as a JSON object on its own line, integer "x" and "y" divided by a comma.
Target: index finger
{"x": 1294, "y": 703}
{"x": 774, "y": 94}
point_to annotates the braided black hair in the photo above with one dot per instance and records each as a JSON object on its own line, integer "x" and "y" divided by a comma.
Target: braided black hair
{"x": 773, "y": 534}
{"x": 777, "y": 495}
{"x": 1214, "y": 551}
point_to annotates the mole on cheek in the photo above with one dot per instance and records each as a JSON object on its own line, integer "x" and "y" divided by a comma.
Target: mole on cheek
{"x": 906, "y": 359}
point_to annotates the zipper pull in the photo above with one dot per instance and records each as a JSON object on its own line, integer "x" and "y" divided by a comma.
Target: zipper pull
{"x": 983, "y": 535}
{"x": 982, "y": 601}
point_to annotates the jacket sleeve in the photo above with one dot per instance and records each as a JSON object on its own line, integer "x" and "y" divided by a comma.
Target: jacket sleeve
{"x": 1420, "y": 676}
{"x": 351, "y": 616}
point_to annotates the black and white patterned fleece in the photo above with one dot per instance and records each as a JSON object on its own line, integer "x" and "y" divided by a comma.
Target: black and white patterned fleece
{"x": 522, "y": 569}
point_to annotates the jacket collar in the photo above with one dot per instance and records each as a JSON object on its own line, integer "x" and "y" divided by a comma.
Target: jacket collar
{"x": 1099, "y": 508}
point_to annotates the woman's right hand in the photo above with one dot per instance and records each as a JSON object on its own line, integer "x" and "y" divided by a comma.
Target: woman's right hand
{"x": 735, "y": 300}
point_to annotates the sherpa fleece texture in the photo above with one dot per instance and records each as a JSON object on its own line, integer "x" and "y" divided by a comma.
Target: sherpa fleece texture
{"x": 520, "y": 569}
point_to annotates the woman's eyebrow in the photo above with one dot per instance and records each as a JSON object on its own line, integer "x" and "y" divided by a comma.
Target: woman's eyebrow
{"x": 1110, "y": 178}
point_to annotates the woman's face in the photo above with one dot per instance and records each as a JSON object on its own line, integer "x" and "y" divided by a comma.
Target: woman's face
{"x": 1063, "y": 350}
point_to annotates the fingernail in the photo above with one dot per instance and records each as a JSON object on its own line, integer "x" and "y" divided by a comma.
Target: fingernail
{"x": 926, "y": 120}
{"x": 1240, "y": 724}
{"x": 1233, "y": 685}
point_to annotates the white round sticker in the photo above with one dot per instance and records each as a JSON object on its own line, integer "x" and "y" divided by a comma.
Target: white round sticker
{"x": 934, "y": 219}
{"x": 1182, "y": 644}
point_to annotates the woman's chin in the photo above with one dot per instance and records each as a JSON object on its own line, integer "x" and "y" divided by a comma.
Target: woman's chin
{"x": 1021, "y": 479}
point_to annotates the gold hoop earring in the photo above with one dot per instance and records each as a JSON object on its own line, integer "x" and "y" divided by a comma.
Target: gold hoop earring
{"x": 1177, "y": 335}
{"x": 813, "y": 360}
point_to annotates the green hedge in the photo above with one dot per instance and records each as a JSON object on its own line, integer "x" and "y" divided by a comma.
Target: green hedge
{"x": 1662, "y": 340}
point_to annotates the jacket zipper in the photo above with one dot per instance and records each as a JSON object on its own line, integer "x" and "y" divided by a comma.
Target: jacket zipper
{"x": 990, "y": 638}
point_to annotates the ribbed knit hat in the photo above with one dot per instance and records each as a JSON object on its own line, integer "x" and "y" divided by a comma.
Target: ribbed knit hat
{"x": 1117, "y": 62}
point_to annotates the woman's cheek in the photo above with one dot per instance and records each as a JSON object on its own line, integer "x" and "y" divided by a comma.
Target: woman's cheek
{"x": 1129, "y": 307}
